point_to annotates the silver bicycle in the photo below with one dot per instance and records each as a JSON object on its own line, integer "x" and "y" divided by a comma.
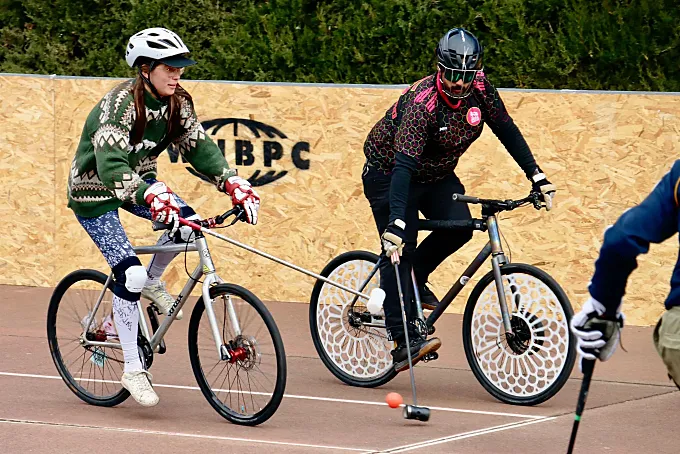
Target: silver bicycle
{"x": 235, "y": 348}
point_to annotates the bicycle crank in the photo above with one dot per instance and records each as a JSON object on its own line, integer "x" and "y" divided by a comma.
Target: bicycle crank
{"x": 145, "y": 351}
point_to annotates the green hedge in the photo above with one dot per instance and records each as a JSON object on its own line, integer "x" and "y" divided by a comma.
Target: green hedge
{"x": 576, "y": 44}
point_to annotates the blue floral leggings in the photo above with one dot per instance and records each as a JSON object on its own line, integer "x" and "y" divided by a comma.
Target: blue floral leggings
{"x": 108, "y": 233}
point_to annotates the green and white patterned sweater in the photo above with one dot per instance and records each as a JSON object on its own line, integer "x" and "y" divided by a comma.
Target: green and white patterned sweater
{"x": 108, "y": 171}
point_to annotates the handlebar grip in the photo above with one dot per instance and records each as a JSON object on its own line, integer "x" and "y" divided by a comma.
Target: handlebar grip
{"x": 160, "y": 226}
{"x": 464, "y": 198}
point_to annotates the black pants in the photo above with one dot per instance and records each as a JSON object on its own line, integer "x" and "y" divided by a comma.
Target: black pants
{"x": 434, "y": 201}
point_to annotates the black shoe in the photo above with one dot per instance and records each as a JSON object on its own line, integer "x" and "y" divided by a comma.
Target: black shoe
{"x": 428, "y": 299}
{"x": 419, "y": 348}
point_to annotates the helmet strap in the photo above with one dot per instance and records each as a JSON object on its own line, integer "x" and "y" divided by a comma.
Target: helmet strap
{"x": 147, "y": 80}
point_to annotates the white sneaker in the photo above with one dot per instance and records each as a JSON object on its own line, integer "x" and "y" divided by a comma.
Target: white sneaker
{"x": 139, "y": 385}
{"x": 161, "y": 298}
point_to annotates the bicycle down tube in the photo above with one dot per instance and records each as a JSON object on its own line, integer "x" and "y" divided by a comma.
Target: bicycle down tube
{"x": 492, "y": 248}
{"x": 459, "y": 284}
{"x": 204, "y": 268}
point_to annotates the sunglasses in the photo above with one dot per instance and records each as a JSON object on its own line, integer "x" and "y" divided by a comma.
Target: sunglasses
{"x": 454, "y": 75}
{"x": 173, "y": 70}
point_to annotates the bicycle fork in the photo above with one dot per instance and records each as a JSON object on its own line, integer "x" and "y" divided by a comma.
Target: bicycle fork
{"x": 498, "y": 259}
{"x": 212, "y": 278}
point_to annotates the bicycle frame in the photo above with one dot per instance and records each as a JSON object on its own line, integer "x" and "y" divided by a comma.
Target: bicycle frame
{"x": 206, "y": 269}
{"x": 492, "y": 248}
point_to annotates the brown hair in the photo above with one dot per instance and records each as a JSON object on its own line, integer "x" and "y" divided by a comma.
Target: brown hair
{"x": 174, "y": 103}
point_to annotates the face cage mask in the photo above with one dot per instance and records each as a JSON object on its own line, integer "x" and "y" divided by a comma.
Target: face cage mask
{"x": 454, "y": 75}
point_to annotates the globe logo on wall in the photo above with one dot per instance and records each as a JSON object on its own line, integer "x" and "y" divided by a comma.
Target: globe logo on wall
{"x": 259, "y": 150}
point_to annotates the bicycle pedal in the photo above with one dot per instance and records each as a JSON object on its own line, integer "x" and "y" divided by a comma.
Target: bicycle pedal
{"x": 431, "y": 330}
{"x": 431, "y": 357}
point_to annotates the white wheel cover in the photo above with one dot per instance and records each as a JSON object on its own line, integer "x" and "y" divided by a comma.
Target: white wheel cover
{"x": 532, "y": 372}
{"x": 363, "y": 353}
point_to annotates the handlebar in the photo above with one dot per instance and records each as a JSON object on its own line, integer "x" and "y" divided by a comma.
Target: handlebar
{"x": 208, "y": 223}
{"x": 474, "y": 224}
{"x": 533, "y": 198}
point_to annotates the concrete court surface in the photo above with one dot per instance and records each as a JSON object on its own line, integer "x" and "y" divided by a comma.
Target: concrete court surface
{"x": 631, "y": 407}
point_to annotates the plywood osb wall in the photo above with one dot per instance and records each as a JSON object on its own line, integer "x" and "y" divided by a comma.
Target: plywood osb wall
{"x": 605, "y": 152}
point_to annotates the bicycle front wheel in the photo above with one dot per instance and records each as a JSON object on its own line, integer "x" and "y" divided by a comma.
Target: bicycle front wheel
{"x": 247, "y": 386}
{"x": 92, "y": 373}
{"x": 533, "y": 364}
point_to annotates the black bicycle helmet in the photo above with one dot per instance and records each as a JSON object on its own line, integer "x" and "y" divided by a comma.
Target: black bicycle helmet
{"x": 459, "y": 56}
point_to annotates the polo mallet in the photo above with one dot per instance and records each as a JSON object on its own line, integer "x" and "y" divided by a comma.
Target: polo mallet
{"x": 588, "y": 367}
{"x": 410, "y": 411}
{"x": 608, "y": 329}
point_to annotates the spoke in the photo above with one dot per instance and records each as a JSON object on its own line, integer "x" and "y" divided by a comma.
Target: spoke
{"x": 240, "y": 387}
{"x": 213, "y": 368}
{"x": 82, "y": 355}
{"x": 266, "y": 377}
{"x": 72, "y": 350}
{"x": 250, "y": 389}
{"x": 226, "y": 376}
{"x": 114, "y": 375}
{"x": 89, "y": 373}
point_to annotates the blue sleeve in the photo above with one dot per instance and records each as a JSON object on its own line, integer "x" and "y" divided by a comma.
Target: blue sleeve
{"x": 652, "y": 221}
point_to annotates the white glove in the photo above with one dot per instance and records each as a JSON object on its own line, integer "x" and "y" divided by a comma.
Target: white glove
{"x": 242, "y": 193}
{"x": 596, "y": 338}
{"x": 164, "y": 207}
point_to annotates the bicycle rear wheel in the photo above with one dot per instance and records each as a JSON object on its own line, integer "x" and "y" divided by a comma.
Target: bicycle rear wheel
{"x": 92, "y": 373}
{"x": 534, "y": 364}
{"x": 246, "y": 389}
{"x": 358, "y": 355}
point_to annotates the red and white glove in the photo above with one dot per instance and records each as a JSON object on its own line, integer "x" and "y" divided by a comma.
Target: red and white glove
{"x": 164, "y": 207}
{"x": 242, "y": 193}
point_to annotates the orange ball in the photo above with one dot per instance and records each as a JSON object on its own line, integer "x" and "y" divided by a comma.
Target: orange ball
{"x": 394, "y": 400}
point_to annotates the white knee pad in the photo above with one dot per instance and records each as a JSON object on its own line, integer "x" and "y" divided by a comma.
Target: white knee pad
{"x": 135, "y": 278}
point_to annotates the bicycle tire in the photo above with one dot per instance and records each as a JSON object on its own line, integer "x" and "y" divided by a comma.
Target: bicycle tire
{"x": 529, "y": 323}
{"x": 386, "y": 371}
{"x": 55, "y": 351}
{"x": 281, "y": 368}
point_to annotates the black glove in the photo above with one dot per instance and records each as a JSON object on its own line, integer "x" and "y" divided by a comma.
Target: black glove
{"x": 540, "y": 184}
{"x": 394, "y": 237}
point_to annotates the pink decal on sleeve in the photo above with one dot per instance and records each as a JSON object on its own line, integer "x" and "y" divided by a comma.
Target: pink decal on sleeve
{"x": 432, "y": 103}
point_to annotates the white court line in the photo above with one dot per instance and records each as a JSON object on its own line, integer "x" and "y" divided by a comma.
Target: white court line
{"x": 460, "y": 436}
{"x": 293, "y": 396}
{"x": 175, "y": 434}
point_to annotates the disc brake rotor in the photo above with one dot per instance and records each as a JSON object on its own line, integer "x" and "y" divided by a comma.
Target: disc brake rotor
{"x": 246, "y": 352}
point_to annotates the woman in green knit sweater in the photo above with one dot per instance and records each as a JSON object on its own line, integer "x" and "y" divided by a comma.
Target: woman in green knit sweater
{"x": 115, "y": 167}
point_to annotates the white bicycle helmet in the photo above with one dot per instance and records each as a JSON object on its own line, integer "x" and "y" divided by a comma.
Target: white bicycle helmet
{"x": 157, "y": 44}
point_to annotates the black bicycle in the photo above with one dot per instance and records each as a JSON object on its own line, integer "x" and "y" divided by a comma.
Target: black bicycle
{"x": 521, "y": 351}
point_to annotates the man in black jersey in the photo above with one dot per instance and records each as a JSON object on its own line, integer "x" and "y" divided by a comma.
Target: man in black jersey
{"x": 411, "y": 155}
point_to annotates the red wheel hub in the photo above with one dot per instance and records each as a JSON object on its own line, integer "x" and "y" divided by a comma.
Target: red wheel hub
{"x": 99, "y": 336}
{"x": 238, "y": 354}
